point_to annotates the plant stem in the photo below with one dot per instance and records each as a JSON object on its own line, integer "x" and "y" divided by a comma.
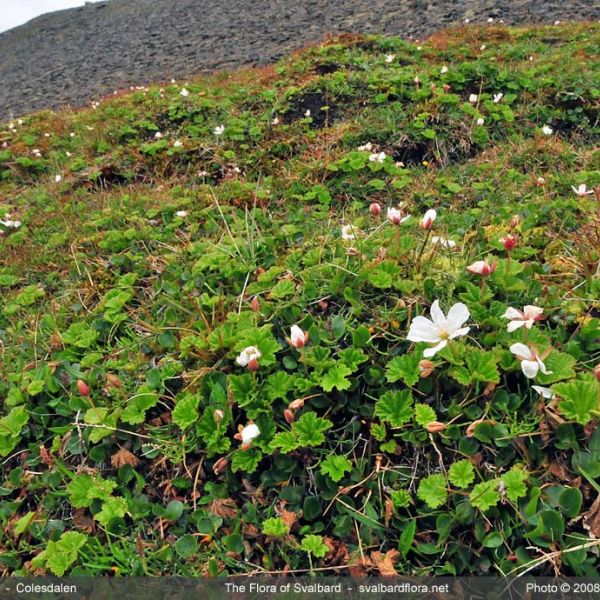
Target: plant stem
{"x": 418, "y": 259}
{"x": 483, "y": 281}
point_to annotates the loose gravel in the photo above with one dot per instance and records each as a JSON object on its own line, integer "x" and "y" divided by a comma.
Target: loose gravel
{"x": 76, "y": 55}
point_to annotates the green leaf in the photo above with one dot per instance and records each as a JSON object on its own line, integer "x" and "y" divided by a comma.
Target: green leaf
{"x": 314, "y": 544}
{"x": 185, "y": 412}
{"x": 286, "y": 441}
{"x": 578, "y": 399}
{"x": 10, "y": 429}
{"x": 246, "y": 460}
{"x": 485, "y": 495}
{"x": 407, "y": 537}
{"x": 186, "y": 546}
{"x": 561, "y": 365}
{"x": 433, "y": 490}
{"x": 283, "y": 289}
{"x": 424, "y": 414}
{"x": 395, "y": 407}
{"x": 400, "y": 498}
{"x": 85, "y": 488}
{"x": 23, "y": 523}
{"x": 60, "y": 555}
{"x": 336, "y": 378}
{"x": 135, "y": 411}
{"x": 514, "y": 483}
{"x": 480, "y": 366}
{"x": 112, "y": 508}
{"x": 405, "y": 368}
{"x": 352, "y": 358}
{"x": 461, "y": 474}
{"x": 336, "y": 467}
{"x": 492, "y": 540}
{"x": 310, "y": 429}
{"x": 570, "y": 502}
{"x": 275, "y": 527}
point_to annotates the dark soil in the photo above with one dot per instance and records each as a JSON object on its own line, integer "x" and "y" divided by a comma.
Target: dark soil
{"x": 76, "y": 55}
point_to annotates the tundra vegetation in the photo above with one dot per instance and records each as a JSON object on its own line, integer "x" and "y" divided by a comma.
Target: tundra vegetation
{"x": 337, "y": 315}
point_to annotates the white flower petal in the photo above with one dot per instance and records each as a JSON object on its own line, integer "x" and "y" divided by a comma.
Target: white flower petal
{"x": 543, "y": 391}
{"x": 437, "y": 316}
{"x": 458, "y": 315}
{"x": 429, "y": 352}
{"x": 519, "y": 349}
{"x": 532, "y": 312}
{"x": 530, "y": 368}
{"x": 423, "y": 330}
{"x": 512, "y": 313}
{"x": 459, "y": 332}
{"x": 514, "y": 325}
{"x": 542, "y": 366}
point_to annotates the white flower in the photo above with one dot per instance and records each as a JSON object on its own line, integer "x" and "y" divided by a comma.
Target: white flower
{"x": 444, "y": 69}
{"x": 395, "y": 217}
{"x": 348, "y": 232}
{"x": 249, "y": 358}
{"x": 219, "y": 130}
{"x": 185, "y": 93}
{"x": 543, "y": 391}
{"x": 307, "y": 112}
{"x": 177, "y": 144}
{"x": 11, "y": 224}
{"x": 69, "y": 154}
{"x": 467, "y": 21}
{"x": 497, "y": 97}
{"x": 480, "y": 121}
{"x": 377, "y": 157}
{"x": 298, "y": 337}
{"x": 366, "y": 147}
{"x": 547, "y": 130}
{"x": 482, "y": 47}
{"x": 443, "y": 242}
{"x": 182, "y": 213}
{"x": 158, "y": 135}
{"x": 275, "y": 121}
{"x": 419, "y": 48}
{"x": 439, "y": 329}
{"x": 582, "y": 190}
{"x": 531, "y": 361}
{"x": 490, "y": 20}
{"x": 249, "y": 433}
{"x": 527, "y": 317}
{"x": 58, "y": 178}
{"x": 389, "y": 58}
{"x": 557, "y": 22}
{"x": 473, "y": 98}
{"x": 428, "y": 218}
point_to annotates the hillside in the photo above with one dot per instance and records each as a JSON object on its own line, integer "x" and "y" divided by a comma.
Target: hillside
{"x": 161, "y": 416}
{"x": 79, "y": 55}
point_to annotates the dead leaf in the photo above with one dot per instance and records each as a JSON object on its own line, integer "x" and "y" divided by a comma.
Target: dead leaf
{"x": 358, "y": 565}
{"x": 591, "y": 519}
{"x": 223, "y": 507}
{"x": 288, "y": 517}
{"x": 385, "y": 562}
{"x": 123, "y": 457}
{"x": 389, "y": 508}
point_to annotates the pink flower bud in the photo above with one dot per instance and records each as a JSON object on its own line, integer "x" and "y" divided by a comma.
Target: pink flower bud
{"x": 254, "y": 304}
{"x": 375, "y": 209}
{"x": 509, "y": 242}
{"x": 481, "y": 267}
{"x": 83, "y": 387}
